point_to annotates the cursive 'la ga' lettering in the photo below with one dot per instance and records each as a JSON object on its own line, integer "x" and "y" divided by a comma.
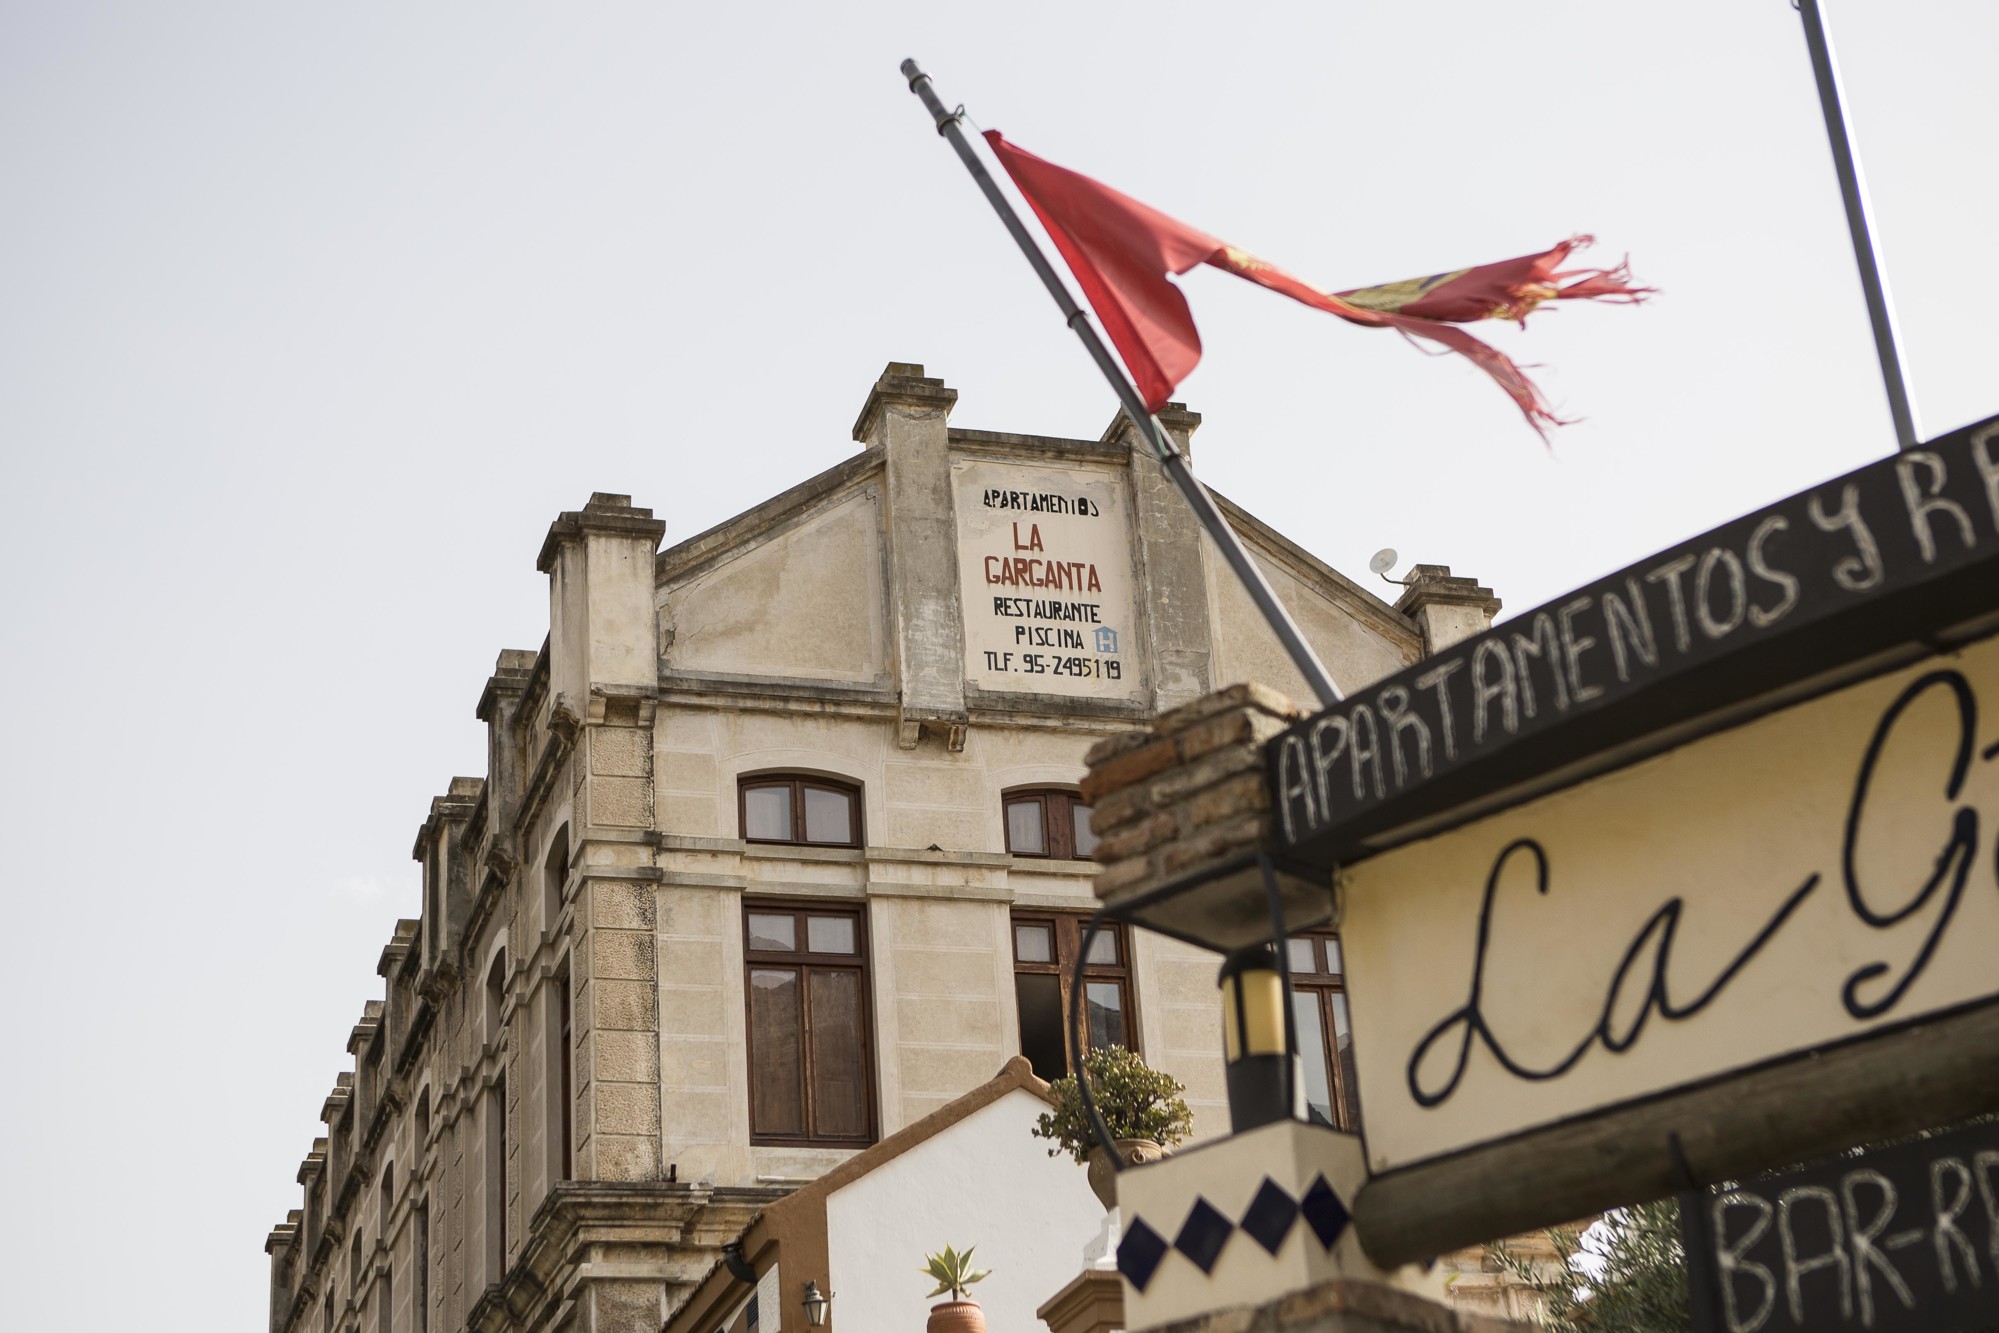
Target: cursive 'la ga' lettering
{"x": 1641, "y": 984}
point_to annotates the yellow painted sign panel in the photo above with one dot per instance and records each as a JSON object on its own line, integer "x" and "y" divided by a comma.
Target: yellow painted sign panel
{"x": 1804, "y": 879}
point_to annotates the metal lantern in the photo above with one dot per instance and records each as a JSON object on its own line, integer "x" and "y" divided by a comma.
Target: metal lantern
{"x": 1263, "y": 1081}
{"x": 818, "y": 1305}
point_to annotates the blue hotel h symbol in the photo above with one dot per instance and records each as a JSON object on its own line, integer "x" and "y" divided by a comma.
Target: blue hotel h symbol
{"x": 1106, "y": 639}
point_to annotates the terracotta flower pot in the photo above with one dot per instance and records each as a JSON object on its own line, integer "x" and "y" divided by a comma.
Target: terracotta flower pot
{"x": 956, "y": 1317}
{"x": 1132, "y": 1152}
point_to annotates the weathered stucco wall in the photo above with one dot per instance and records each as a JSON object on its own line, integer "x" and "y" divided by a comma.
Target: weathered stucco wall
{"x": 807, "y": 603}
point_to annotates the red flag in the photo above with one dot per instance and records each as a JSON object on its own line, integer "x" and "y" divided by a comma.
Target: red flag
{"x": 1122, "y": 253}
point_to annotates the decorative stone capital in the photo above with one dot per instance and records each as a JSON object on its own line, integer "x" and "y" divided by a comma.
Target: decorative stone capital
{"x": 1447, "y": 609}
{"x": 902, "y": 385}
{"x": 1180, "y": 421}
{"x": 612, "y": 515}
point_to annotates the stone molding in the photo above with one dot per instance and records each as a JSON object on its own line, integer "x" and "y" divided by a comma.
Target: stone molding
{"x": 606, "y": 513}
{"x": 902, "y": 384}
{"x": 663, "y": 1235}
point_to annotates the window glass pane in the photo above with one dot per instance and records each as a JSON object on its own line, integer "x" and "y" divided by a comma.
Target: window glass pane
{"x": 1335, "y": 963}
{"x": 829, "y": 815}
{"x": 769, "y": 930}
{"x": 1034, "y": 944}
{"x": 1299, "y": 953}
{"x": 829, "y": 934}
{"x": 1343, "y": 1038}
{"x": 1103, "y": 949}
{"x": 1086, "y": 841}
{"x": 777, "y": 1085}
{"x": 1105, "y": 1002}
{"x": 1312, "y": 1057}
{"x": 1041, "y": 1020}
{"x": 767, "y": 813}
{"x": 839, "y": 1091}
{"x": 1024, "y": 836}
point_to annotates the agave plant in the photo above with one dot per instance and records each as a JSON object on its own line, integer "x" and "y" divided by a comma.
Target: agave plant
{"x": 953, "y": 1271}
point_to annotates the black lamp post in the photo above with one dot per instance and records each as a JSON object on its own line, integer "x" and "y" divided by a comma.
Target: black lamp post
{"x": 1263, "y": 1081}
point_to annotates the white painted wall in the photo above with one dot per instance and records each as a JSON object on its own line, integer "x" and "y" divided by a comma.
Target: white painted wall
{"x": 982, "y": 1182}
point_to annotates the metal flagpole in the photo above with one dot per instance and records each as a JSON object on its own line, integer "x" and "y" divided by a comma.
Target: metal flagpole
{"x": 1879, "y": 313}
{"x": 1170, "y": 457}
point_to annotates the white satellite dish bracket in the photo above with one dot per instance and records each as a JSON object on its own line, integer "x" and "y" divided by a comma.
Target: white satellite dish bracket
{"x": 1384, "y": 560}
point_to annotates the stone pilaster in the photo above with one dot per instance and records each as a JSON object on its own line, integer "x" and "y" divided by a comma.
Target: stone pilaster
{"x": 604, "y": 666}
{"x": 1179, "y": 641}
{"x": 1447, "y": 609}
{"x": 908, "y": 417}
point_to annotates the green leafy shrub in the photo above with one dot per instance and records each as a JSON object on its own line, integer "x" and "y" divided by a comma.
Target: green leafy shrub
{"x": 1137, "y": 1102}
{"x": 1627, "y": 1274}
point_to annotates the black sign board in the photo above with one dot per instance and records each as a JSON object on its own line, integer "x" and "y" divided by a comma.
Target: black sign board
{"x": 1832, "y": 579}
{"x": 1896, "y": 1240}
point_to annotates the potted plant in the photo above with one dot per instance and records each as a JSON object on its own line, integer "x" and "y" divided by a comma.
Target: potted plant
{"x": 1141, "y": 1107}
{"x": 953, "y": 1273}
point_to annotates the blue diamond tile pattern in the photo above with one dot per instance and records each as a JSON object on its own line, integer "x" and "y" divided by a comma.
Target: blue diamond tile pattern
{"x": 1324, "y": 1213}
{"x": 1203, "y": 1234}
{"x": 1270, "y": 1214}
{"x": 1139, "y": 1253}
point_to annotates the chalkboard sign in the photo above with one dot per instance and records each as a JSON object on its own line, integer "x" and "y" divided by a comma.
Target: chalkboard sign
{"x": 1895, "y": 1240}
{"x": 1834, "y": 578}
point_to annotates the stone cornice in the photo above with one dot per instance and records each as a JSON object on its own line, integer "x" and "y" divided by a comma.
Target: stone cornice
{"x": 902, "y": 384}
{"x": 1435, "y": 585}
{"x": 685, "y": 1225}
{"x": 605, "y": 513}
{"x": 398, "y": 947}
{"x": 364, "y": 1031}
{"x": 1009, "y": 447}
{"x": 510, "y": 678}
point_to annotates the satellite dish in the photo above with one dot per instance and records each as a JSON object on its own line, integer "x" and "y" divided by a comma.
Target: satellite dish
{"x": 1383, "y": 560}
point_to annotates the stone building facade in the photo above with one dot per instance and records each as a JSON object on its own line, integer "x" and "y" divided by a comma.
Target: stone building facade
{"x": 779, "y": 850}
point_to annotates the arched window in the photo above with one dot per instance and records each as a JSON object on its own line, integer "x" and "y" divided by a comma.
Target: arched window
{"x": 496, "y": 994}
{"x": 1048, "y": 821}
{"x": 422, "y": 1144}
{"x": 561, "y": 1038}
{"x": 800, "y": 810}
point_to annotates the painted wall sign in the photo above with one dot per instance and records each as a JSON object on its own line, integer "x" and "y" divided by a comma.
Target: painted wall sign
{"x": 1896, "y": 1240}
{"x": 1044, "y": 558}
{"x": 1816, "y": 875}
{"x": 1880, "y": 557}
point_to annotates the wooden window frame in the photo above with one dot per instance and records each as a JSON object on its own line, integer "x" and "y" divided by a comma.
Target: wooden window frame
{"x": 804, "y": 961}
{"x": 1058, "y": 835}
{"x": 798, "y": 783}
{"x": 1068, "y": 938}
{"x": 1322, "y": 984}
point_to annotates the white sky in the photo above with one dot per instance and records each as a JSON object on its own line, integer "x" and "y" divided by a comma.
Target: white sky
{"x": 312, "y": 317}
